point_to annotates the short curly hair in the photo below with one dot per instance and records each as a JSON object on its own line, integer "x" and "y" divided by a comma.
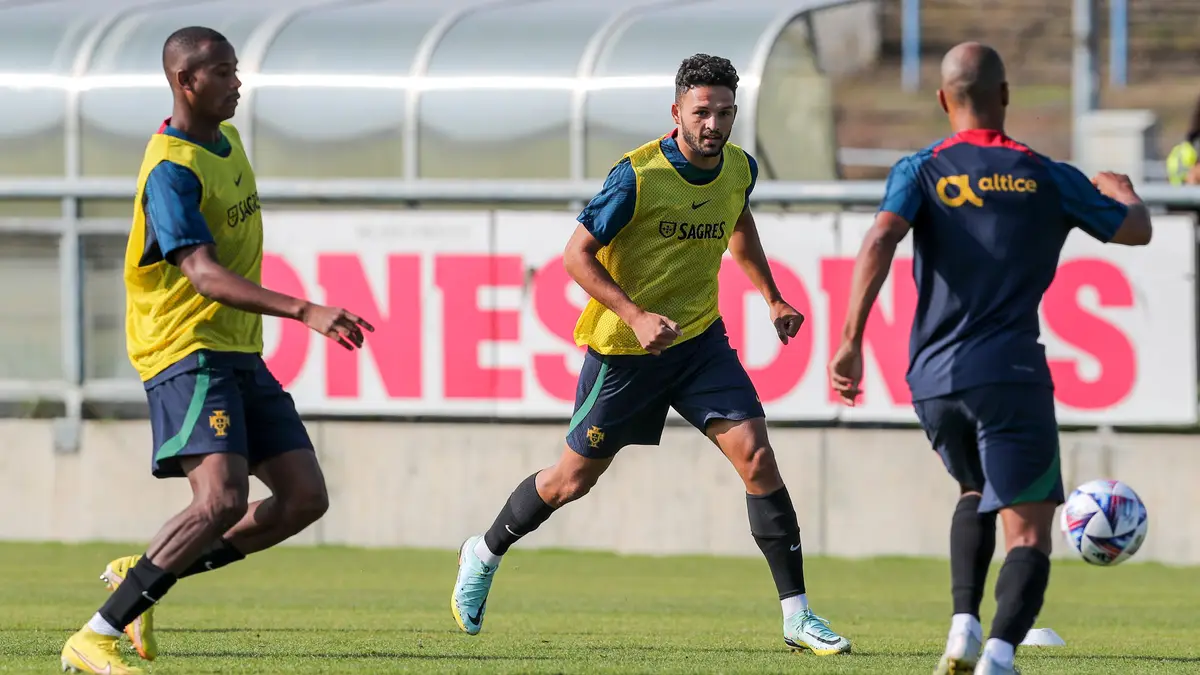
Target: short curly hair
{"x": 702, "y": 70}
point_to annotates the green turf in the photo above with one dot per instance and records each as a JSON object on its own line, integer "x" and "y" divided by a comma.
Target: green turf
{"x": 335, "y": 610}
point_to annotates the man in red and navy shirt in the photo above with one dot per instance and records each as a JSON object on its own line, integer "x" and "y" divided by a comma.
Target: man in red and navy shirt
{"x": 989, "y": 218}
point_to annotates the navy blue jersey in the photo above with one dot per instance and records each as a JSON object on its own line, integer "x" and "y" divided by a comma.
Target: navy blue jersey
{"x": 989, "y": 218}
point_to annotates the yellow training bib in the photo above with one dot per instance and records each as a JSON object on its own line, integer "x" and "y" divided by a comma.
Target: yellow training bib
{"x": 1180, "y": 161}
{"x": 165, "y": 318}
{"x": 669, "y": 255}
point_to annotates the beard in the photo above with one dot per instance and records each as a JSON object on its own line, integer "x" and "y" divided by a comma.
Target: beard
{"x": 717, "y": 144}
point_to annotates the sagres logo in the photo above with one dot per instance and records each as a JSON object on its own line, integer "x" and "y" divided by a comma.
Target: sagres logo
{"x": 678, "y": 230}
{"x": 954, "y": 191}
{"x": 238, "y": 213}
{"x": 219, "y": 422}
{"x": 595, "y": 437}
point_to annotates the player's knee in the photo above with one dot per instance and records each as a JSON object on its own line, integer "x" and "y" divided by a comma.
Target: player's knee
{"x": 223, "y": 509}
{"x": 759, "y": 469}
{"x": 307, "y": 506}
{"x": 1029, "y": 526}
{"x": 565, "y": 486}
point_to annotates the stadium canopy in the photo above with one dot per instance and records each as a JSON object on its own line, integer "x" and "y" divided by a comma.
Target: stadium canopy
{"x": 424, "y": 88}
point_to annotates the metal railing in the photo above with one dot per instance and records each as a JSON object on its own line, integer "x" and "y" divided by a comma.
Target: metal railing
{"x": 73, "y": 389}
{"x": 848, "y": 193}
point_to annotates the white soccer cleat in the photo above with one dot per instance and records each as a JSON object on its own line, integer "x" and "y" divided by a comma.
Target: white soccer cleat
{"x": 962, "y": 655}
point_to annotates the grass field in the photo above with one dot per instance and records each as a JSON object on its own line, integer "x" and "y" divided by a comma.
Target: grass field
{"x": 334, "y": 610}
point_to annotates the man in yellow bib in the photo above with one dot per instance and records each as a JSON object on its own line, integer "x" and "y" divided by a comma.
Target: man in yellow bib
{"x": 194, "y": 331}
{"x": 647, "y": 250}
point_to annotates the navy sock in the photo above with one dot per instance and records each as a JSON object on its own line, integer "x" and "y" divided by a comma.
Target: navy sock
{"x": 1020, "y": 591}
{"x": 972, "y": 545}
{"x": 222, "y": 554}
{"x": 773, "y": 524}
{"x": 523, "y": 513}
{"x": 144, "y": 585}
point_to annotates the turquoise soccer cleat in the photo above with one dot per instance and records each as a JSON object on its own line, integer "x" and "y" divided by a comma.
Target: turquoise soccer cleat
{"x": 469, "y": 599}
{"x": 805, "y": 631}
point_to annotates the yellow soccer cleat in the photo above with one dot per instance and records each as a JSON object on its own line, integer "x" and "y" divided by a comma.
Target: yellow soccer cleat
{"x": 90, "y": 652}
{"x": 141, "y": 631}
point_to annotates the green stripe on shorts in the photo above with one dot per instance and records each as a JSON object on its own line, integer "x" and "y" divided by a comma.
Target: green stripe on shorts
{"x": 175, "y": 444}
{"x": 590, "y": 401}
{"x": 1040, "y": 489}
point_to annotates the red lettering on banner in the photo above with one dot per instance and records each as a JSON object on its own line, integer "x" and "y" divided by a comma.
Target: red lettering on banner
{"x": 556, "y": 312}
{"x": 465, "y": 325}
{"x": 886, "y": 340}
{"x": 1089, "y": 333}
{"x": 778, "y": 378}
{"x": 396, "y": 343}
{"x": 286, "y": 361}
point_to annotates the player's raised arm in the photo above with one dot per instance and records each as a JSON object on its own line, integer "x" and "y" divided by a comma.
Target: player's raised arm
{"x": 1135, "y": 228}
{"x": 1106, "y": 207}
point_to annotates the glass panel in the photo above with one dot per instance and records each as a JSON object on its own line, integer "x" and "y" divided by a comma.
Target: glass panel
{"x": 116, "y": 125}
{"x": 38, "y": 38}
{"x": 31, "y": 208}
{"x": 104, "y": 307}
{"x": 729, "y": 29}
{"x": 32, "y": 132}
{"x": 328, "y": 133}
{"x": 135, "y": 44}
{"x": 619, "y": 120}
{"x": 500, "y": 40}
{"x": 370, "y": 39}
{"x": 797, "y": 137}
{"x": 495, "y": 134}
{"x": 43, "y": 37}
{"x": 116, "y": 209}
{"x": 30, "y": 263}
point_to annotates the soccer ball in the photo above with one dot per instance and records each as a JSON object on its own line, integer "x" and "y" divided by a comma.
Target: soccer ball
{"x": 1104, "y": 522}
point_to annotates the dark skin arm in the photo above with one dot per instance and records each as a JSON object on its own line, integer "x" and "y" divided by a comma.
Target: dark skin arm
{"x": 870, "y": 272}
{"x": 1136, "y": 229}
{"x": 214, "y": 281}
{"x": 746, "y": 248}
{"x": 654, "y": 332}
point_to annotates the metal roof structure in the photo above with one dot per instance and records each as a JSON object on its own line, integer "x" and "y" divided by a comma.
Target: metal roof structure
{"x": 537, "y": 89}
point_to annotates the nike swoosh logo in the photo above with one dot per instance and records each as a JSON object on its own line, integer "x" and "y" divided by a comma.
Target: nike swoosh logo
{"x": 147, "y": 596}
{"x": 107, "y": 667}
{"x": 510, "y": 531}
{"x": 238, "y": 180}
{"x": 696, "y": 206}
{"x": 478, "y": 616}
{"x": 826, "y": 642}
{"x": 796, "y": 547}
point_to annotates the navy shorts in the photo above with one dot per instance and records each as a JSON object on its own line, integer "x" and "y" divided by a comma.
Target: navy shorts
{"x": 1000, "y": 440}
{"x": 214, "y": 402}
{"x": 623, "y": 400}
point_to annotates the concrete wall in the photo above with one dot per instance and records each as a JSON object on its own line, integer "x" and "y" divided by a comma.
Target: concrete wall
{"x": 858, "y": 493}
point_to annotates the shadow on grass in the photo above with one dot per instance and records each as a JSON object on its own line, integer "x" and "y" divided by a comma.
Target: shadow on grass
{"x": 362, "y": 656}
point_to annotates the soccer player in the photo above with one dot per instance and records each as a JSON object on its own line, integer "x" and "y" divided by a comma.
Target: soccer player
{"x": 989, "y": 218}
{"x": 194, "y": 324}
{"x": 647, "y": 250}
